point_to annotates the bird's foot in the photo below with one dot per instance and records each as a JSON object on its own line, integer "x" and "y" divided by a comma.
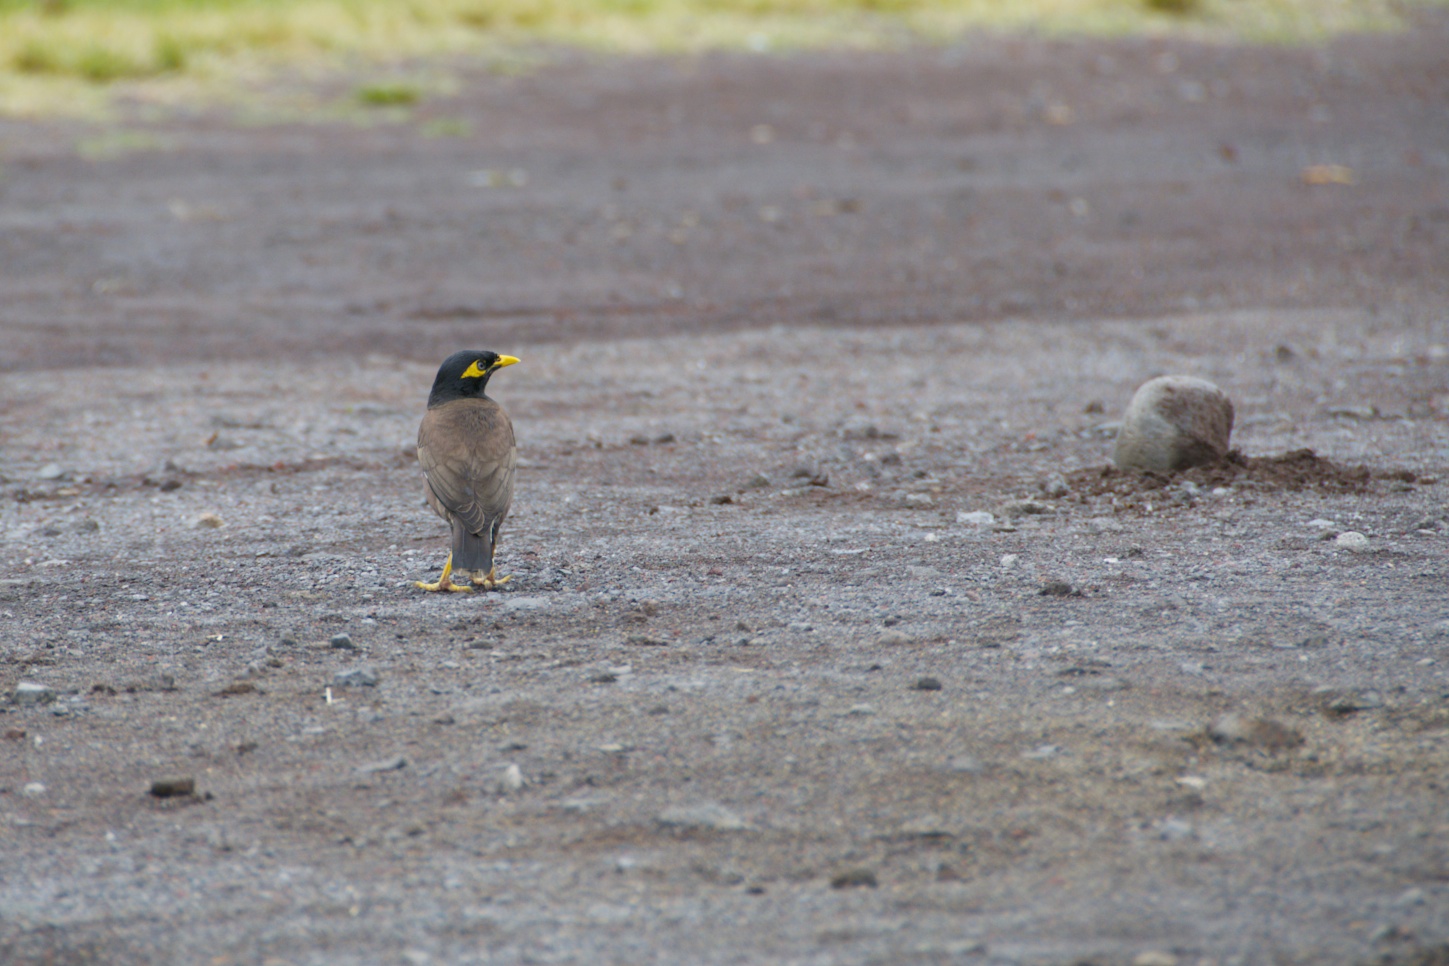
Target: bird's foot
{"x": 445, "y": 581}
{"x": 490, "y": 582}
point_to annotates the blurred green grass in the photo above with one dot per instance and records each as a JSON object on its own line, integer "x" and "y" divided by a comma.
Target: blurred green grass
{"x": 64, "y": 54}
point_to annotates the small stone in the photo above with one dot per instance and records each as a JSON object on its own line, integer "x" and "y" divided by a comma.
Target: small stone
{"x": 645, "y": 640}
{"x": 29, "y": 694}
{"x": 1352, "y": 541}
{"x": 1022, "y": 508}
{"x": 663, "y": 439}
{"x": 723, "y": 499}
{"x": 604, "y": 677}
{"x": 894, "y": 639}
{"x": 639, "y": 439}
{"x": 51, "y": 471}
{"x": 1413, "y": 896}
{"x": 1094, "y": 408}
{"x": 1154, "y": 957}
{"x": 238, "y": 688}
{"x": 517, "y": 604}
{"x": 1174, "y": 830}
{"x": 32, "y": 789}
{"x": 927, "y": 684}
{"x": 342, "y": 642}
{"x": 1173, "y": 423}
{"x": 509, "y": 780}
{"x": 1059, "y": 588}
{"x": 1009, "y": 560}
{"x": 758, "y": 482}
{"x": 917, "y": 499}
{"x": 1341, "y": 704}
{"x": 357, "y": 677}
{"x": 173, "y": 787}
{"x": 853, "y": 878}
{"x": 205, "y": 521}
{"x": 1239, "y": 729}
{"x": 395, "y": 763}
{"x": 1103, "y": 525}
{"x": 1353, "y": 412}
{"x": 707, "y": 816}
{"x": 1055, "y": 486}
{"x": 1041, "y": 753}
{"x": 975, "y": 518}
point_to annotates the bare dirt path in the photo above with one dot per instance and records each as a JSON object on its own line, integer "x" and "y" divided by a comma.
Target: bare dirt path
{"x": 763, "y": 688}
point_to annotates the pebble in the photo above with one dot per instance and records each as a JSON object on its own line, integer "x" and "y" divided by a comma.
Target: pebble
{"x": 708, "y": 816}
{"x": 28, "y": 694}
{"x": 173, "y": 787}
{"x": 342, "y": 642}
{"x": 1055, "y": 486}
{"x": 1172, "y": 423}
{"x": 894, "y": 639}
{"x": 917, "y": 499}
{"x": 927, "y": 684}
{"x": 395, "y": 763}
{"x": 509, "y": 780}
{"x": 852, "y": 878}
{"x": 357, "y": 677}
{"x": 1103, "y": 525}
{"x": 1174, "y": 830}
{"x": 1041, "y": 752}
{"x": 524, "y": 603}
{"x": 1343, "y": 703}
{"x": 1353, "y": 541}
{"x": 1239, "y": 729}
{"x": 205, "y": 521}
{"x": 1413, "y": 896}
{"x": 1008, "y": 560}
{"x": 1059, "y": 588}
{"x": 1022, "y": 508}
{"x": 1154, "y": 957}
{"x": 32, "y": 789}
{"x": 976, "y": 518}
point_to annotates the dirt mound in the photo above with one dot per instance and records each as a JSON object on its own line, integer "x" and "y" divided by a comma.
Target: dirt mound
{"x": 1302, "y": 469}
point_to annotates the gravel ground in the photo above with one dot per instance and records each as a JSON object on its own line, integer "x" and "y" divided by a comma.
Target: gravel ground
{"x": 768, "y": 685}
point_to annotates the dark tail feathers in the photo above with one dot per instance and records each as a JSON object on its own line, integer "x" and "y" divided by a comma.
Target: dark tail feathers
{"x": 472, "y": 551}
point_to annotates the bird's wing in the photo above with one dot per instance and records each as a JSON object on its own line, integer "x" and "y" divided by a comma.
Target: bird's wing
{"x": 468, "y": 455}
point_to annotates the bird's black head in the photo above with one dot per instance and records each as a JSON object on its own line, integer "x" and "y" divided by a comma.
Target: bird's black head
{"x": 465, "y": 374}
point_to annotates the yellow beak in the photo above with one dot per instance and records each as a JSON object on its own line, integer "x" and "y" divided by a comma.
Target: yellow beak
{"x": 504, "y": 361}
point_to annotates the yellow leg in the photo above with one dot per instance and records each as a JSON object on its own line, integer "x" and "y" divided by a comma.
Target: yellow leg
{"x": 445, "y": 582}
{"x": 490, "y": 582}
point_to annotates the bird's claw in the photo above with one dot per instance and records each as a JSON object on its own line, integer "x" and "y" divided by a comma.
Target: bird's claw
{"x": 490, "y": 582}
{"x": 445, "y": 581}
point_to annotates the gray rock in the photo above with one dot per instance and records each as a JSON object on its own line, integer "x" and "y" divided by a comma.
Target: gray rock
{"x": 1041, "y": 753}
{"x": 707, "y": 816}
{"x": 51, "y": 471}
{"x": 205, "y": 521}
{"x": 976, "y": 518}
{"x": 32, "y": 789}
{"x": 1341, "y": 703}
{"x": 173, "y": 787}
{"x": 28, "y": 694}
{"x": 508, "y": 780}
{"x": 852, "y": 878}
{"x": 395, "y": 763}
{"x": 1353, "y": 541}
{"x": 357, "y": 677}
{"x": 342, "y": 642}
{"x": 894, "y": 638}
{"x": 1055, "y": 486}
{"x": 927, "y": 684}
{"x": 1240, "y": 729}
{"x": 1172, "y": 423}
{"x": 1012, "y": 509}
{"x": 517, "y": 604}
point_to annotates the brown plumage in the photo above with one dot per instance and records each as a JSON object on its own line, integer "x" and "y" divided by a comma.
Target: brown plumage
{"x": 467, "y": 452}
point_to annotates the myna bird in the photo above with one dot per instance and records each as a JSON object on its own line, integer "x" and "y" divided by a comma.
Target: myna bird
{"x": 466, "y": 448}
